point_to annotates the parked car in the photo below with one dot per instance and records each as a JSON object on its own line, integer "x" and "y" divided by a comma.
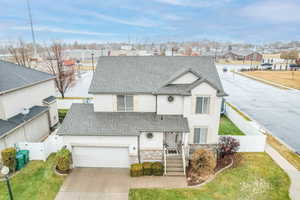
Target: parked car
{"x": 266, "y": 66}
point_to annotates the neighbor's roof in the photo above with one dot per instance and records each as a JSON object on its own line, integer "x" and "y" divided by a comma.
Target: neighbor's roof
{"x": 149, "y": 74}
{"x": 15, "y": 121}
{"x": 49, "y": 99}
{"x": 13, "y": 76}
{"x": 81, "y": 120}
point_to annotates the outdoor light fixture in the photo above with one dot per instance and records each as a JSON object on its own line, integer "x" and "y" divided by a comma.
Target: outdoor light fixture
{"x": 5, "y": 172}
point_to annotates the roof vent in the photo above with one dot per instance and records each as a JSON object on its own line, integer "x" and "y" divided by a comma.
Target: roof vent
{"x": 25, "y": 111}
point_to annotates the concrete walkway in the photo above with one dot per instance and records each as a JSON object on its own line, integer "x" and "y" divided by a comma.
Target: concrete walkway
{"x": 293, "y": 173}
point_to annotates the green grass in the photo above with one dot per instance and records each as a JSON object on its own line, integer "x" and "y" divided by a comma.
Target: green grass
{"x": 257, "y": 177}
{"x": 227, "y": 127}
{"x": 36, "y": 181}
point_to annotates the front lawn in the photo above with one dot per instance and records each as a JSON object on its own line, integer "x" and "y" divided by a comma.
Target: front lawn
{"x": 257, "y": 177}
{"x": 35, "y": 182}
{"x": 227, "y": 127}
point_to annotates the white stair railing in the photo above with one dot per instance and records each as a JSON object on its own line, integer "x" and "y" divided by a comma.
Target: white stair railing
{"x": 183, "y": 158}
{"x": 165, "y": 160}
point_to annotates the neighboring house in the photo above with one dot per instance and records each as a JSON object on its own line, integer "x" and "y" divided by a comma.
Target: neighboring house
{"x": 145, "y": 107}
{"x": 243, "y": 55}
{"x": 254, "y": 56}
{"x": 27, "y": 104}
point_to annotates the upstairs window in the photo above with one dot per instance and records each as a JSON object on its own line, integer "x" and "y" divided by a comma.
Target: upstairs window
{"x": 202, "y": 105}
{"x": 200, "y": 135}
{"x": 124, "y": 103}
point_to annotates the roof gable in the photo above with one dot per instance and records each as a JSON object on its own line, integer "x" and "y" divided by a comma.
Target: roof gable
{"x": 183, "y": 76}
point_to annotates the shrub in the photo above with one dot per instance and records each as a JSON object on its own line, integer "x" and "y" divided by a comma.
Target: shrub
{"x": 62, "y": 114}
{"x": 228, "y": 146}
{"x": 9, "y": 158}
{"x": 63, "y": 160}
{"x": 136, "y": 170}
{"x": 157, "y": 169}
{"x": 203, "y": 161}
{"x": 147, "y": 168}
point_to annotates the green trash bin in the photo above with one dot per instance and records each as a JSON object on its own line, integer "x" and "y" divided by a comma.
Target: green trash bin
{"x": 20, "y": 161}
{"x": 25, "y": 154}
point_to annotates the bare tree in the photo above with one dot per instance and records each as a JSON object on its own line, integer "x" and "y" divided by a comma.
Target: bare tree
{"x": 289, "y": 55}
{"x": 64, "y": 77}
{"x": 21, "y": 53}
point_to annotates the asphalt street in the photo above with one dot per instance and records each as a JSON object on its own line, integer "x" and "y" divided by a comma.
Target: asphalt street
{"x": 275, "y": 109}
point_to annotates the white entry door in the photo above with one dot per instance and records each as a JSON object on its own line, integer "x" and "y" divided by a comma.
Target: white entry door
{"x": 100, "y": 157}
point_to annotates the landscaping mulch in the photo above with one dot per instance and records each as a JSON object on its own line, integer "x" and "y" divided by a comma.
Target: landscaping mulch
{"x": 221, "y": 164}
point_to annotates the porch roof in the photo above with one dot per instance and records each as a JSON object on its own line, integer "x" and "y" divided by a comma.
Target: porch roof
{"x": 81, "y": 120}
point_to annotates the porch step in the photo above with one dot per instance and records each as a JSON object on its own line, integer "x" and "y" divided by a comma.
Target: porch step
{"x": 175, "y": 174}
{"x": 174, "y": 169}
{"x": 174, "y": 157}
{"x": 174, "y": 164}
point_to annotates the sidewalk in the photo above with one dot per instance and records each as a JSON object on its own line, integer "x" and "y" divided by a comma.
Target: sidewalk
{"x": 293, "y": 173}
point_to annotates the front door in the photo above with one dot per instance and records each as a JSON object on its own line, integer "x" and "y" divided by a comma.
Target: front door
{"x": 173, "y": 140}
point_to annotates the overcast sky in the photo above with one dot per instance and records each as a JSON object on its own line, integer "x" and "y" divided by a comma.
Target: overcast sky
{"x": 256, "y": 21}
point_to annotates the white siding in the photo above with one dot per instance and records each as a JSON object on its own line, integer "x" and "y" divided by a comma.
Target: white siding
{"x": 2, "y": 112}
{"x": 155, "y": 143}
{"x": 185, "y": 79}
{"x": 105, "y": 103}
{"x": 144, "y": 103}
{"x": 15, "y": 101}
{"x": 169, "y": 108}
{"x": 211, "y": 120}
{"x": 108, "y": 103}
{"x": 53, "y": 114}
{"x": 116, "y": 141}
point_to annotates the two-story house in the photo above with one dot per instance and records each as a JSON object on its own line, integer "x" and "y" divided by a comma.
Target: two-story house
{"x": 27, "y": 104}
{"x": 145, "y": 109}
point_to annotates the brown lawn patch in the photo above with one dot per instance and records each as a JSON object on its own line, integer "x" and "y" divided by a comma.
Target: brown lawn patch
{"x": 284, "y": 78}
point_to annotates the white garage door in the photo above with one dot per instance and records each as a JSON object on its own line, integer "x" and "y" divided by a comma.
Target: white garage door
{"x": 100, "y": 157}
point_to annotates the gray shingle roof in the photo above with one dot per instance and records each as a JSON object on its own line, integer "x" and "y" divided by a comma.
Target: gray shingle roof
{"x": 15, "y": 121}
{"x": 13, "y": 76}
{"x": 81, "y": 120}
{"x": 148, "y": 74}
{"x": 49, "y": 99}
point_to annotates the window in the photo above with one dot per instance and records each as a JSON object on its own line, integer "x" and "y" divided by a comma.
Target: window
{"x": 202, "y": 105}
{"x": 200, "y": 135}
{"x": 124, "y": 103}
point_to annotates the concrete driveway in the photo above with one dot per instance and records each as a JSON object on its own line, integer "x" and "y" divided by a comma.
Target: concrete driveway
{"x": 110, "y": 183}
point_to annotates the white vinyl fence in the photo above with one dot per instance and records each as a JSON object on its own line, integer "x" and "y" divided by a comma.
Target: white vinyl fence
{"x": 253, "y": 140}
{"x": 41, "y": 150}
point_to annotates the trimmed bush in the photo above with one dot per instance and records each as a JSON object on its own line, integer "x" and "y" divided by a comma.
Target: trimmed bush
{"x": 157, "y": 169}
{"x": 147, "y": 168}
{"x": 9, "y": 158}
{"x": 203, "y": 161}
{"x": 63, "y": 160}
{"x": 136, "y": 170}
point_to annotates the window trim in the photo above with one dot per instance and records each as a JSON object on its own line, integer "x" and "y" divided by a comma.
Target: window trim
{"x": 195, "y": 104}
{"x": 125, "y": 106}
{"x": 200, "y": 127}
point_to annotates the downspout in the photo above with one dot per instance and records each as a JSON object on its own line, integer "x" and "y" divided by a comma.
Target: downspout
{"x": 156, "y": 103}
{"x": 139, "y": 154}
